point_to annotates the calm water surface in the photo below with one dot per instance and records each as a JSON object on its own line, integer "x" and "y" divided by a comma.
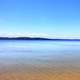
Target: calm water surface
{"x": 40, "y": 53}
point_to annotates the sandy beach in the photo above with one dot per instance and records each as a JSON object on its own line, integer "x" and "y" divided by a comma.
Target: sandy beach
{"x": 29, "y": 72}
{"x": 40, "y": 75}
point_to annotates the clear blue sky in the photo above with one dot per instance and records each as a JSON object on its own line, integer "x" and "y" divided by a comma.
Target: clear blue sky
{"x": 49, "y": 18}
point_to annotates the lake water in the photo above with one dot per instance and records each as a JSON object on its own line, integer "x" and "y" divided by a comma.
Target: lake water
{"x": 58, "y": 55}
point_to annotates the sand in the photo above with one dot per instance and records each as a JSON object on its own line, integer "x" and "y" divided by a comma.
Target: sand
{"x": 39, "y": 73}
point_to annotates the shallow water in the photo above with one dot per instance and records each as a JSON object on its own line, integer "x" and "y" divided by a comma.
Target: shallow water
{"x": 14, "y": 51}
{"x": 39, "y": 55}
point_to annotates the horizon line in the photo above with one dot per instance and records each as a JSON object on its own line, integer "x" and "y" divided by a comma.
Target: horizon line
{"x": 40, "y": 38}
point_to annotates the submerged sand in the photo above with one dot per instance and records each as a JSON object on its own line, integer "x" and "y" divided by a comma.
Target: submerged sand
{"x": 38, "y": 72}
{"x": 39, "y": 60}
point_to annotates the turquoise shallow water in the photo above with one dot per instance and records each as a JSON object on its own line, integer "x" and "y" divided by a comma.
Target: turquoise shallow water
{"x": 40, "y": 53}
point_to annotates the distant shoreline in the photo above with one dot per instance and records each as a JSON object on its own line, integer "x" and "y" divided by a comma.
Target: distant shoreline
{"x": 36, "y": 38}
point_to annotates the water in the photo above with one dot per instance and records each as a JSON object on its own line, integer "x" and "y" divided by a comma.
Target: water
{"x": 49, "y": 54}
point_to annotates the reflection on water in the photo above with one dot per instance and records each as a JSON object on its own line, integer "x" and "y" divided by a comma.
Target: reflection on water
{"x": 42, "y": 53}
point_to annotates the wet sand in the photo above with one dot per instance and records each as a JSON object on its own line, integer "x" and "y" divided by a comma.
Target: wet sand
{"x": 44, "y": 72}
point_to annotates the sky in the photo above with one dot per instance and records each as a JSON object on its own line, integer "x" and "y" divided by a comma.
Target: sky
{"x": 40, "y": 18}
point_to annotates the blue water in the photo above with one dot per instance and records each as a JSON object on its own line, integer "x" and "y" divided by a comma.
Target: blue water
{"x": 40, "y": 52}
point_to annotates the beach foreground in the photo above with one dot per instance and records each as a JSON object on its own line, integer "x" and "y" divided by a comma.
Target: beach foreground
{"x": 40, "y": 75}
{"x": 32, "y": 73}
